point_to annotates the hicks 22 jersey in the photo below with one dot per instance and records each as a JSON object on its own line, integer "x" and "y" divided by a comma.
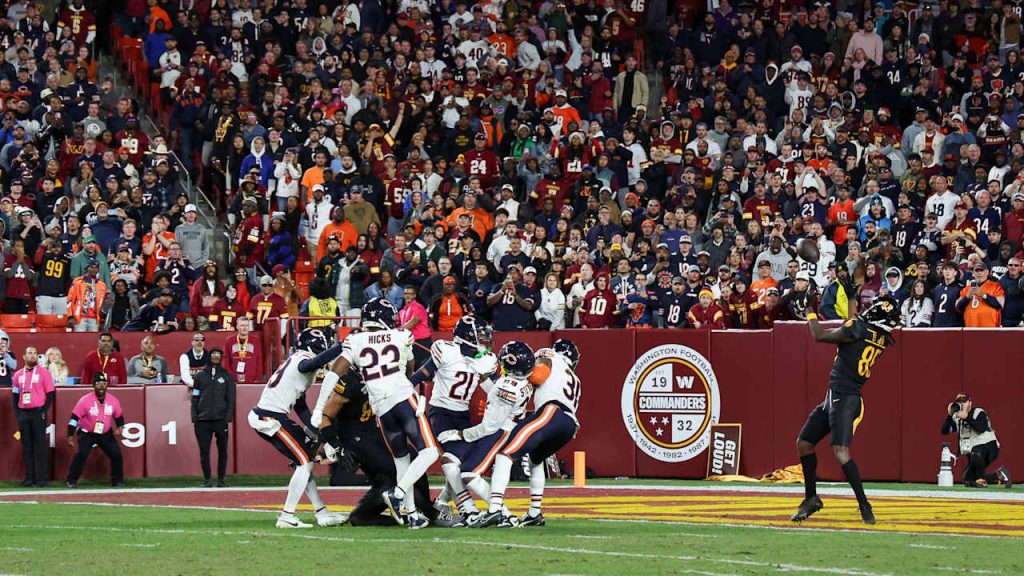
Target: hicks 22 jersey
{"x": 286, "y": 384}
{"x": 506, "y": 405}
{"x": 381, "y": 356}
{"x": 456, "y": 376}
{"x": 562, "y": 386}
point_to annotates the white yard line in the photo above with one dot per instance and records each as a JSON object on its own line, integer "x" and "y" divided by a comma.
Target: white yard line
{"x": 929, "y": 547}
{"x": 16, "y": 549}
{"x": 772, "y": 566}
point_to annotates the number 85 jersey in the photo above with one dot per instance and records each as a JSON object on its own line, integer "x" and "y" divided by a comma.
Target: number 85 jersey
{"x": 381, "y": 356}
{"x": 457, "y": 376}
{"x": 854, "y": 359}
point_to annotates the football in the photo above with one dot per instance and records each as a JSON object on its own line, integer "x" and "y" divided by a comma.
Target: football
{"x": 808, "y": 250}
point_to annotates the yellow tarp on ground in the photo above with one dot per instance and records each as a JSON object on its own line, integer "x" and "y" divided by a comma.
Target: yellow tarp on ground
{"x": 789, "y": 474}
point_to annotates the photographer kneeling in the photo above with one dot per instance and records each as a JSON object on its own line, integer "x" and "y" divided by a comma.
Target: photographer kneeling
{"x": 977, "y": 441}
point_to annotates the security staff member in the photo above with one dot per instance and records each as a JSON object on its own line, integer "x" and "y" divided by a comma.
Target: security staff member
{"x": 977, "y": 440}
{"x": 96, "y": 420}
{"x": 213, "y": 407}
{"x": 194, "y": 360}
{"x": 33, "y": 393}
{"x": 355, "y": 429}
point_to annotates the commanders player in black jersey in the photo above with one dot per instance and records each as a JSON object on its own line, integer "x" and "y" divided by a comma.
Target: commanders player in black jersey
{"x": 860, "y": 341}
{"x": 355, "y": 431}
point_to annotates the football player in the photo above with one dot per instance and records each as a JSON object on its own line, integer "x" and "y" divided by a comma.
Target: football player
{"x": 457, "y": 368}
{"x": 361, "y": 444}
{"x": 285, "y": 391}
{"x": 551, "y": 426}
{"x": 860, "y": 342}
{"x": 383, "y": 355}
{"x": 506, "y": 405}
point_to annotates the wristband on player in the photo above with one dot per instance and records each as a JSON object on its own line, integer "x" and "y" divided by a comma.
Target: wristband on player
{"x": 812, "y": 316}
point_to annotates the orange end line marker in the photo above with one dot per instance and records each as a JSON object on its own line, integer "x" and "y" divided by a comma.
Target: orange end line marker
{"x": 579, "y": 467}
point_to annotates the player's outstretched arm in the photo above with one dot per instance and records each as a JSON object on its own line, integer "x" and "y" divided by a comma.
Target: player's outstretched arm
{"x": 827, "y": 335}
{"x": 310, "y": 365}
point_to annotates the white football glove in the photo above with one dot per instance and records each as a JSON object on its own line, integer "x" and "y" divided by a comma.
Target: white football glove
{"x": 449, "y": 436}
{"x": 327, "y": 454}
{"x": 316, "y": 418}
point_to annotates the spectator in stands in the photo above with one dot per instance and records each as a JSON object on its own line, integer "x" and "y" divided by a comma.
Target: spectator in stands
{"x": 96, "y": 419}
{"x": 147, "y": 367}
{"x": 54, "y": 362}
{"x": 193, "y": 360}
{"x": 266, "y": 305}
{"x": 551, "y": 312}
{"x": 106, "y": 361}
{"x": 85, "y": 297}
{"x": 160, "y": 315}
{"x": 192, "y": 237}
{"x": 320, "y": 304}
{"x": 90, "y": 252}
{"x": 981, "y": 301}
{"x": 244, "y": 355}
{"x": 206, "y": 292}
{"x": 120, "y": 306}
{"x": 19, "y": 277}
{"x": 286, "y": 288}
{"x": 512, "y": 302}
{"x": 385, "y": 287}
{"x": 918, "y": 308}
{"x": 53, "y": 279}
{"x": 447, "y": 307}
{"x": 1013, "y": 287}
{"x": 413, "y": 317}
{"x": 706, "y": 314}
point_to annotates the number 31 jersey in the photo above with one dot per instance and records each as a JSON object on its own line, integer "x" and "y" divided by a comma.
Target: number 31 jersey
{"x": 381, "y": 356}
{"x": 456, "y": 376}
{"x": 562, "y": 386}
{"x": 852, "y": 366}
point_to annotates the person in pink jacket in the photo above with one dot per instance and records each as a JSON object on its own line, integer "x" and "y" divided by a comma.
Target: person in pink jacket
{"x": 34, "y": 393}
{"x": 867, "y": 39}
{"x": 96, "y": 419}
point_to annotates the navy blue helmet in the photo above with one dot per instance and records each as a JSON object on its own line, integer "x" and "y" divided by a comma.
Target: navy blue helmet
{"x": 883, "y": 313}
{"x": 315, "y": 340}
{"x": 517, "y": 359}
{"x": 473, "y": 335}
{"x": 379, "y": 313}
{"x": 568, "y": 349}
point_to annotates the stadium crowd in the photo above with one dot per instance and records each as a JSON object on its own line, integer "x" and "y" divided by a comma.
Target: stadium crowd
{"x": 543, "y": 165}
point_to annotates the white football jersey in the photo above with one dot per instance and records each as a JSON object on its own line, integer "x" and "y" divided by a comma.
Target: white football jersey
{"x": 562, "y": 386}
{"x": 456, "y": 376}
{"x": 381, "y": 356}
{"x": 506, "y": 406}
{"x": 286, "y": 384}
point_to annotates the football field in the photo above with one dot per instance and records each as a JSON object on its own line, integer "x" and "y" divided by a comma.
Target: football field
{"x": 609, "y": 527}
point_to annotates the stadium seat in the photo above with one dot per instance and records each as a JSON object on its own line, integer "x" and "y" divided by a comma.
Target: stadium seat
{"x": 51, "y": 322}
{"x": 17, "y": 322}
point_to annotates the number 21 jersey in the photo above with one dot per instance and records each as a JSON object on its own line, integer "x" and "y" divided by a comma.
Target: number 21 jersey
{"x": 457, "y": 376}
{"x": 381, "y": 356}
{"x": 852, "y": 366}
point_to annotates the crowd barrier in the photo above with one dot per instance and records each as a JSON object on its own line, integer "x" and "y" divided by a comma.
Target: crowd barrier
{"x": 768, "y": 382}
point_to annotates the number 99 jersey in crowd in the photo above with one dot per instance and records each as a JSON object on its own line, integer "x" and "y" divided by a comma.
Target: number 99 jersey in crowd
{"x": 562, "y": 386}
{"x": 382, "y": 357}
{"x": 458, "y": 375}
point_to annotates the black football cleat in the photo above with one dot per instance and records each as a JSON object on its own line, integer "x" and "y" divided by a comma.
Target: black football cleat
{"x": 394, "y": 504}
{"x": 488, "y": 519}
{"x": 867, "y": 515}
{"x": 527, "y": 520}
{"x": 1004, "y": 477}
{"x": 808, "y": 507}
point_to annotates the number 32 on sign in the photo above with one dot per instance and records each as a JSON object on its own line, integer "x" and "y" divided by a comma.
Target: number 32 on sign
{"x": 724, "y": 457}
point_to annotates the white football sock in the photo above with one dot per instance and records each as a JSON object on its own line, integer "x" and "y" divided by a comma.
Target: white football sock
{"x": 418, "y": 467}
{"x": 314, "y": 495}
{"x": 297, "y": 486}
{"x": 537, "y": 478}
{"x": 453, "y": 475}
{"x": 401, "y": 467}
{"x": 499, "y": 481}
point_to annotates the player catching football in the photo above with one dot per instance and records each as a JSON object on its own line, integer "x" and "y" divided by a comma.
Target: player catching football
{"x": 860, "y": 341}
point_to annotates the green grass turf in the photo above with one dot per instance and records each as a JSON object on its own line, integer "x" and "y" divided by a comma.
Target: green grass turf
{"x": 435, "y": 481}
{"x": 83, "y": 540}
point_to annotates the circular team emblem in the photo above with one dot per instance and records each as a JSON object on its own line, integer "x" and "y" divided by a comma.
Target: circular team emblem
{"x": 669, "y": 401}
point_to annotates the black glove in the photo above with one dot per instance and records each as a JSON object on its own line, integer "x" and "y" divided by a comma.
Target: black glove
{"x": 329, "y": 435}
{"x": 345, "y": 461}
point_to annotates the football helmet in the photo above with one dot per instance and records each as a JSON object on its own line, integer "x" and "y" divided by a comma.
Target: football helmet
{"x": 473, "y": 335}
{"x": 883, "y": 313}
{"x": 567, "y": 348}
{"x": 379, "y": 313}
{"x": 517, "y": 359}
{"x": 315, "y": 340}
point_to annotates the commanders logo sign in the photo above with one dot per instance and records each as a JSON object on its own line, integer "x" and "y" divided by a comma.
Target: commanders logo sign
{"x": 669, "y": 402}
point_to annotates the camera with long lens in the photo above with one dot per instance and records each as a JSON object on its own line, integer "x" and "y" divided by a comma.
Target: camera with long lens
{"x": 957, "y": 407}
